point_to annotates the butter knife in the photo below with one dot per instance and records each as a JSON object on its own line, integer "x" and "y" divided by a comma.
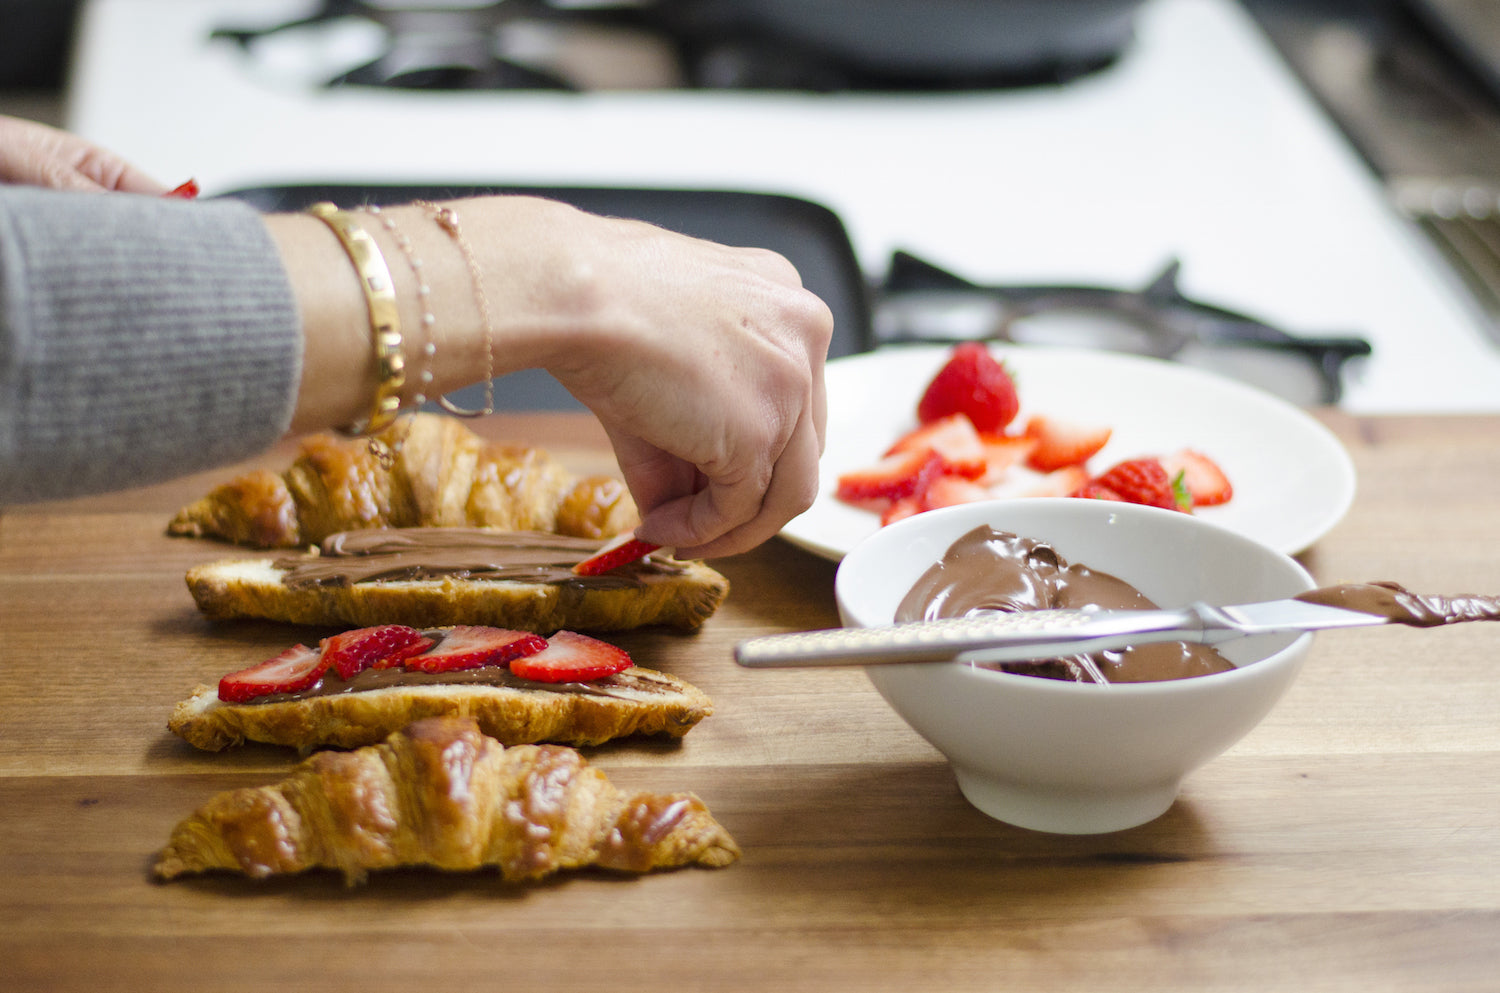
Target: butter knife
{"x": 1015, "y": 637}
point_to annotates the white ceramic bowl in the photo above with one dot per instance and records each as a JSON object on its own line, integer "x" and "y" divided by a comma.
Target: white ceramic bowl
{"x": 1076, "y": 758}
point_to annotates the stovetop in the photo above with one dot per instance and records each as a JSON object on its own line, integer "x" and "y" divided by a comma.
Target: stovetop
{"x": 1197, "y": 144}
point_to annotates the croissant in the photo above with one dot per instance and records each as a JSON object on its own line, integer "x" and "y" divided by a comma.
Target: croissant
{"x": 441, "y": 794}
{"x": 439, "y": 473}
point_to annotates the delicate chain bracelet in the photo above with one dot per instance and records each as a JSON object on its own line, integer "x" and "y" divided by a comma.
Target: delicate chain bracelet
{"x": 446, "y": 218}
{"x": 385, "y": 317}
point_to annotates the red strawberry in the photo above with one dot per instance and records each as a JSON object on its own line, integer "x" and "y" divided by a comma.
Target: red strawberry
{"x": 187, "y": 191}
{"x": 296, "y": 669}
{"x": 1141, "y": 481}
{"x": 891, "y": 478}
{"x": 898, "y": 510}
{"x": 972, "y": 382}
{"x": 1059, "y": 443}
{"x": 1059, "y": 482}
{"x": 950, "y": 491}
{"x": 469, "y": 646}
{"x": 622, "y": 550}
{"x": 383, "y": 646}
{"x": 1002, "y": 453}
{"x": 1202, "y": 477}
{"x": 1095, "y": 490}
{"x": 572, "y": 658}
{"x": 954, "y": 438}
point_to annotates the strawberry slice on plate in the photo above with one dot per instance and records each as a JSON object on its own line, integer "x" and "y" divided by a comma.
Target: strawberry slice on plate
{"x": 892, "y": 478}
{"x": 622, "y": 550}
{"x": 1144, "y": 481}
{"x": 1061, "y": 443}
{"x": 469, "y": 646}
{"x": 1205, "y": 481}
{"x": 572, "y": 658}
{"x": 382, "y": 647}
{"x": 296, "y": 669}
{"x": 952, "y": 437}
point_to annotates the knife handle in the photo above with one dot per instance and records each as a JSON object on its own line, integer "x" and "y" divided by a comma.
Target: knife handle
{"x": 1030, "y": 634}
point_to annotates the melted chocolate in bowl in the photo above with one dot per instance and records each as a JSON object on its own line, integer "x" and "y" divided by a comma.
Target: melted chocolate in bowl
{"x": 992, "y": 570}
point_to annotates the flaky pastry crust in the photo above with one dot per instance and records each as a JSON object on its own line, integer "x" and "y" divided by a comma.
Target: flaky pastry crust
{"x": 440, "y": 793}
{"x": 638, "y": 701}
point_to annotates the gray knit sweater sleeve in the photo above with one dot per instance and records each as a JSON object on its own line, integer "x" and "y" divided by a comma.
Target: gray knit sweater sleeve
{"x": 140, "y": 339}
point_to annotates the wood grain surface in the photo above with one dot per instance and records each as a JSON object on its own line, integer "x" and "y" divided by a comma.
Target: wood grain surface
{"x": 1352, "y": 842}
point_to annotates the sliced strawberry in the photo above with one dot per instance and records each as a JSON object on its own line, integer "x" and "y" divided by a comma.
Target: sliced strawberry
{"x": 950, "y": 491}
{"x": 954, "y": 438}
{"x": 1059, "y": 482}
{"x": 1095, "y": 490}
{"x": 899, "y": 510}
{"x": 1142, "y": 481}
{"x": 296, "y": 669}
{"x": 892, "y": 478}
{"x": 975, "y": 383}
{"x": 1060, "y": 443}
{"x": 1002, "y": 453}
{"x": 572, "y": 658}
{"x": 1205, "y": 481}
{"x": 383, "y": 646}
{"x": 470, "y": 646}
{"x": 622, "y": 550}
{"x": 187, "y": 191}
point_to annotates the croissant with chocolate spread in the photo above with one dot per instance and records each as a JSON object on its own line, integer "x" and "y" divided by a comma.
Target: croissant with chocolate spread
{"x": 441, "y": 794}
{"x": 439, "y": 473}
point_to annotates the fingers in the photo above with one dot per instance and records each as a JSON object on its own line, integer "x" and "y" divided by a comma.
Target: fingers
{"x": 792, "y": 487}
{"x": 37, "y": 155}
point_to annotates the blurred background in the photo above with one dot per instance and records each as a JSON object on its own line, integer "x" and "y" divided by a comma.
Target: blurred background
{"x": 1216, "y": 172}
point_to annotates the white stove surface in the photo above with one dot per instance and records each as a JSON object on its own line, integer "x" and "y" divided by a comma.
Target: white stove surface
{"x": 1198, "y": 144}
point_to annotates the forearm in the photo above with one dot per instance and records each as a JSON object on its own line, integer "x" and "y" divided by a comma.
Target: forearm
{"x": 139, "y": 339}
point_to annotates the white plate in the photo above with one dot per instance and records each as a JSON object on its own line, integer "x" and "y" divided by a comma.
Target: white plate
{"x": 1292, "y": 479}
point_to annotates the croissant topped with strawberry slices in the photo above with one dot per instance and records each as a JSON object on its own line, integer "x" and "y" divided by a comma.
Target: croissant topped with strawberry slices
{"x": 439, "y": 793}
{"x": 358, "y": 687}
{"x": 438, "y": 474}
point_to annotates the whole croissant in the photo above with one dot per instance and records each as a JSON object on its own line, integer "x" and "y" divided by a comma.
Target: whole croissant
{"x": 439, "y": 474}
{"x": 442, "y": 794}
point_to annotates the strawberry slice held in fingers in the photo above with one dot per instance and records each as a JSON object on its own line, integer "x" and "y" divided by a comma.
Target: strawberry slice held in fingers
{"x": 1061, "y": 443}
{"x": 382, "y": 647}
{"x": 572, "y": 658}
{"x": 294, "y": 670}
{"x": 622, "y": 550}
{"x": 185, "y": 191}
{"x": 469, "y": 646}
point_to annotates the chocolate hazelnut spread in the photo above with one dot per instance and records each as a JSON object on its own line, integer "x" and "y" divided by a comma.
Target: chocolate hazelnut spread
{"x": 992, "y": 570}
{"x": 1399, "y": 605}
{"x": 393, "y": 554}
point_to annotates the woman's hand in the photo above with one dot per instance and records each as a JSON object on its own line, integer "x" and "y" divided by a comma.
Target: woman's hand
{"x": 34, "y": 154}
{"x": 703, "y": 362}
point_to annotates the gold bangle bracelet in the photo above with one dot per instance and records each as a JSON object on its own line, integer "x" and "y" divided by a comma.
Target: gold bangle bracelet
{"x": 385, "y": 317}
